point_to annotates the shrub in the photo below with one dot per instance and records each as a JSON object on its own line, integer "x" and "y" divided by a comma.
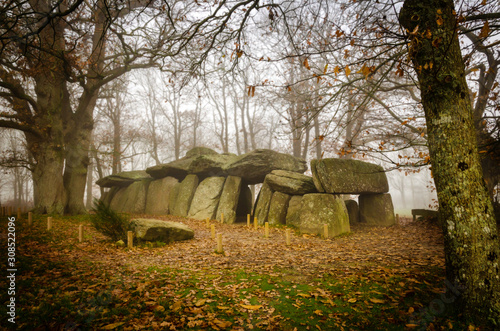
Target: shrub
{"x": 108, "y": 222}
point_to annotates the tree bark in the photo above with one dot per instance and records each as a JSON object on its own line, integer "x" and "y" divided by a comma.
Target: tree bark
{"x": 471, "y": 239}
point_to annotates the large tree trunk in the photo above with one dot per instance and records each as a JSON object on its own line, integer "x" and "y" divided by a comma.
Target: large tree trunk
{"x": 75, "y": 172}
{"x": 470, "y": 232}
{"x": 48, "y": 189}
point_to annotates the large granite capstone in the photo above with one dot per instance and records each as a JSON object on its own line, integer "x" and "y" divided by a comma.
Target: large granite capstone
{"x": 290, "y": 182}
{"x": 254, "y": 166}
{"x": 346, "y": 176}
{"x": 123, "y": 179}
{"x": 156, "y": 230}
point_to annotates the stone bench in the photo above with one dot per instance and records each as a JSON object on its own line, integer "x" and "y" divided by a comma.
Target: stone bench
{"x": 426, "y": 213}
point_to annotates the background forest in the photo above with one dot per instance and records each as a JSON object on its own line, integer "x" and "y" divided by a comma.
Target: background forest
{"x": 146, "y": 81}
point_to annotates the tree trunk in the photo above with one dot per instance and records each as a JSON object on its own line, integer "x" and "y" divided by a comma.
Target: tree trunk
{"x": 48, "y": 189}
{"x": 471, "y": 239}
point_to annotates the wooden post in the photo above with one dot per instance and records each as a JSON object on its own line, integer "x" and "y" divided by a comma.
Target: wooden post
{"x": 397, "y": 218}
{"x": 287, "y": 236}
{"x": 130, "y": 239}
{"x": 19, "y": 213}
{"x": 325, "y": 231}
{"x": 248, "y": 220}
{"x": 49, "y": 223}
{"x": 266, "y": 230}
{"x": 255, "y": 223}
{"x": 80, "y": 233}
{"x": 208, "y": 222}
{"x": 30, "y": 219}
{"x": 219, "y": 243}
{"x": 222, "y": 218}
{"x": 213, "y": 231}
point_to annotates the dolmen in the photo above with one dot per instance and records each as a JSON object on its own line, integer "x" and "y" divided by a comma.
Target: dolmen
{"x": 308, "y": 203}
{"x": 205, "y": 184}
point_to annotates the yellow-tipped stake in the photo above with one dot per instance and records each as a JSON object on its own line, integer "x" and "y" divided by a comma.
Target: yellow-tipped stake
{"x": 325, "y": 231}
{"x": 208, "y": 222}
{"x": 248, "y": 220}
{"x": 266, "y": 230}
{"x": 222, "y": 218}
{"x": 30, "y": 219}
{"x": 130, "y": 239}
{"x": 219, "y": 243}
{"x": 80, "y": 233}
{"x": 287, "y": 236}
{"x": 49, "y": 223}
{"x": 213, "y": 231}
{"x": 255, "y": 223}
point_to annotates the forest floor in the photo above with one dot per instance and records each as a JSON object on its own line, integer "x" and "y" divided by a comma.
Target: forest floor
{"x": 374, "y": 278}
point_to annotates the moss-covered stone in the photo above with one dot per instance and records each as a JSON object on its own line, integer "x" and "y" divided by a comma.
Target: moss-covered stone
{"x": 262, "y": 204}
{"x": 344, "y": 176}
{"x": 290, "y": 182}
{"x": 376, "y": 209}
{"x": 206, "y": 198}
{"x": 254, "y": 166}
{"x": 318, "y": 209}
{"x": 278, "y": 208}
{"x": 229, "y": 199}
{"x": 131, "y": 199}
{"x": 352, "y": 210}
{"x": 158, "y": 197}
{"x": 123, "y": 179}
{"x": 163, "y": 231}
{"x": 185, "y": 194}
{"x": 293, "y": 212}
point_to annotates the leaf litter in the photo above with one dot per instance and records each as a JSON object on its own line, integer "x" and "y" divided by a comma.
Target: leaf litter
{"x": 257, "y": 283}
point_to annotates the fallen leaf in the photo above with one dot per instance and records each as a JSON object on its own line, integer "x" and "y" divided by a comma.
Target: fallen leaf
{"x": 377, "y": 300}
{"x": 200, "y": 302}
{"x": 250, "y": 307}
{"x": 112, "y": 326}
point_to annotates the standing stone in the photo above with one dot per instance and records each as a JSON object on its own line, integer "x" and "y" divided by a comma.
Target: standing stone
{"x": 172, "y": 199}
{"x": 206, "y": 198}
{"x": 157, "y": 201}
{"x": 345, "y": 176}
{"x": 228, "y": 202}
{"x": 187, "y": 188}
{"x": 118, "y": 200}
{"x": 318, "y": 209}
{"x": 262, "y": 205}
{"x": 245, "y": 203}
{"x": 293, "y": 212}
{"x": 133, "y": 199}
{"x": 278, "y": 208}
{"x": 290, "y": 182}
{"x": 108, "y": 196}
{"x": 376, "y": 209}
{"x": 352, "y": 210}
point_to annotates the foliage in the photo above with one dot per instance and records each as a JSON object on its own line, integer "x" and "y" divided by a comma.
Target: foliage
{"x": 108, "y": 222}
